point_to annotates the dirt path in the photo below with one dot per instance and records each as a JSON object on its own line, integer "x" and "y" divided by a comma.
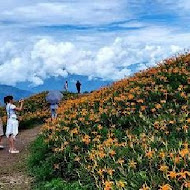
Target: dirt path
{"x": 13, "y": 171}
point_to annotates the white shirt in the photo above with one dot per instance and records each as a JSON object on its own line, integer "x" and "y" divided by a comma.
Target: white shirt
{"x": 11, "y": 113}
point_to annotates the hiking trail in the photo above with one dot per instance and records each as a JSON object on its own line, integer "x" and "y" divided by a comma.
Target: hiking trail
{"x": 13, "y": 169}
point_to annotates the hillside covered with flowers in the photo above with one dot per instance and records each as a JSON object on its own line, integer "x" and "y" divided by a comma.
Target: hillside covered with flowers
{"x": 132, "y": 135}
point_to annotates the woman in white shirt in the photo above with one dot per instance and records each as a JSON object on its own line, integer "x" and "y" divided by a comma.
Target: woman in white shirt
{"x": 1, "y": 134}
{"x": 12, "y": 122}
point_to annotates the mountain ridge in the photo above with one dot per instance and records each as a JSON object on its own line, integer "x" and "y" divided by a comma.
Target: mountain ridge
{"x": 17, "y": 93}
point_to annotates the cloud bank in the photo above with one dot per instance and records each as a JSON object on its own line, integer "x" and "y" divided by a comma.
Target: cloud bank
{"x": 105, "y": 39}
{"x": 48, "y": 57}
{"x": 68, "y": 12}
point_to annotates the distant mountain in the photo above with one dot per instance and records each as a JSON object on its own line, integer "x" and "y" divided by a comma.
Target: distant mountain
{"x": 15, "y": 92}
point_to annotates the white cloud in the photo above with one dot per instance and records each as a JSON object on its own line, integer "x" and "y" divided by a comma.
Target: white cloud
{"x": 48, "y": 57}
{"x": 69, "y": 12}
{"x": 180, "y": 7}
{"x": 87, "y": 12}
{"x": 102, "y": 50}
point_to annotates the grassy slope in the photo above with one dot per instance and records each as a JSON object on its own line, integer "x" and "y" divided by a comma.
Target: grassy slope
{"x": 132, "y": 135}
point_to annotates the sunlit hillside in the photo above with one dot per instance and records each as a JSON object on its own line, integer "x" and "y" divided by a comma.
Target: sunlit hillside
{"x": 132, "y": 135}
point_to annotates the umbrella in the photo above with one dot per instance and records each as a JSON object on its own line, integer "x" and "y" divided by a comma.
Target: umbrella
{"x": 54, "y": 97}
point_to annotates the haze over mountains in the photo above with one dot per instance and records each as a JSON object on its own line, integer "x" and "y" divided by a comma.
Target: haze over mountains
{"x": 16, "y": 92}
{"x": 57, "y": 83}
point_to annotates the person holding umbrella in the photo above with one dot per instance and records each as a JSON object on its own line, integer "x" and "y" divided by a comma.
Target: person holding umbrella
{"x": 53, "y": 98}
{"x": 1, "y": 134}
{"x": 53, "y": 108}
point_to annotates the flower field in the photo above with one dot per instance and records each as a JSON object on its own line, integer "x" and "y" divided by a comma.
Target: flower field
{"x": 133, "y": 135}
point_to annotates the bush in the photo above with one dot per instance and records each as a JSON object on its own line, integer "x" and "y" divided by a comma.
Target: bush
{"x": 59, "y": 184}
{"x": 42, "y": 167}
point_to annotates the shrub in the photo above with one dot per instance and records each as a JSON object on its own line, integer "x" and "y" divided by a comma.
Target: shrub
{"x": 58, "y": 184}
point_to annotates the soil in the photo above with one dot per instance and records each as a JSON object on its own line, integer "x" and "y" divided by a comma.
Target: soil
{"x": 13, "y": 169}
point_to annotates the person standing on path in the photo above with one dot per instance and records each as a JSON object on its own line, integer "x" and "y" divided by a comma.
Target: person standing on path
{"x": 53, "y": 98}
{"x": 66, "y": 86}
{"x": 78, "y": 86}
{"x": 12, "y": 122}
{"x": 53, "y": 108}
{"x": 1, "y": 134}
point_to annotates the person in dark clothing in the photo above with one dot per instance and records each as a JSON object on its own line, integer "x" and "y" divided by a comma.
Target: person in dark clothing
{"x": 66, "y": 86}
{"x": 78, "y": 85}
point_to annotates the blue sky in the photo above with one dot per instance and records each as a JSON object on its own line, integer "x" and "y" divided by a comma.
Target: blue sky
{"x": 100, "y": 41}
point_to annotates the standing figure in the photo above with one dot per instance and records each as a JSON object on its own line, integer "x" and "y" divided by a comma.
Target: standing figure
{"x": 53, "y": 98}
{"x": 1, "y": 134}
{"x": 78, "y": 85}
{"x": 53, "y": 108}
{"x": 66, "y": 86}
{"x": 12, "y": 122}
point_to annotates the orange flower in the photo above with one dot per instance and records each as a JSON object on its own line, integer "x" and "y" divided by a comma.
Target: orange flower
{"x": 110, "y": 171}
{"x": 177, "y": 160}
{"x": 100, "y": 127}
{"x": 162, "y": 155}
{"x": 143, "y": 108}
{"x": 86, "y": 139}
{"x": 145, "y": 187}
{"x": 187, "y": 173}
{"x": 130, "y": 96}
{"x": 182, "y": 175}
{"x": 121, "y": 161}
{"x": 132, "y": 164}
{"x": 187, "y": 184}
{"x": 77, "y": 159}
{"x": 165, "y": 187}
{"x": 183, "y": 95}
{"x": 120, "y": 184}
{"x": 140, "y": 101}
{"x": 171, "y": 155}
{"x": 101, "y": 154}
{"x": 112, "y": 152}
{"x": 164, "y": 168}
{"x": 162, "y": 101}
{"x": 100, "y": 172}
{"x": 108, "y": 185}
{"x": 158, "y": 106}
{"x": 185, "y": 128}
{"x": 153, "y": 110}
{"x": 186, "y": 145}
{"x": 172, "y": 122}
{"x": 74, "y": 131}
{"x": 150, "y": 154}
{"x": 172, "y": 174}
{"x": 184, "y": 152}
